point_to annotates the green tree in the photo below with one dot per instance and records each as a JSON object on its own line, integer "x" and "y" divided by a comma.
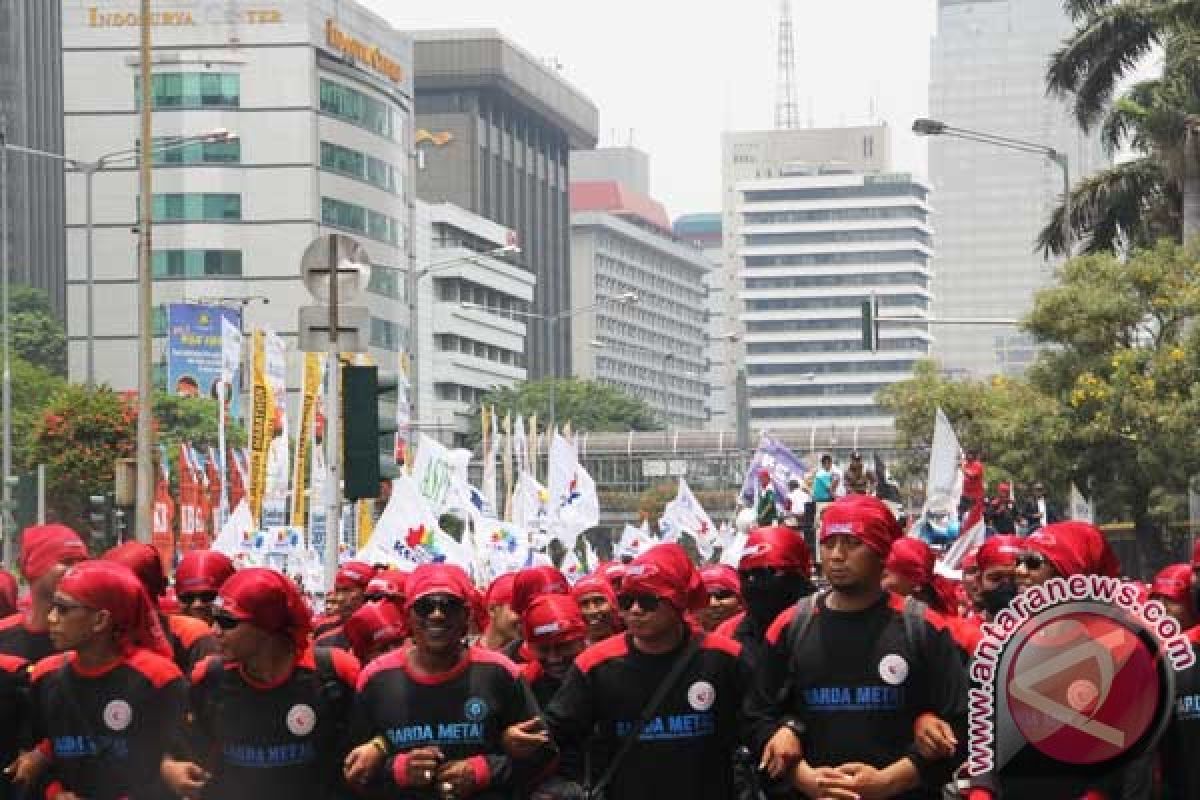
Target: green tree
{"x": 587, "y": 405}
{"x": 32, "y": 388}
{"x": 37, "y": 335}
{"x": 190, "y": 419}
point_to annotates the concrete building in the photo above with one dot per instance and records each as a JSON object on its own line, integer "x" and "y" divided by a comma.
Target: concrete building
{"x": 814, "y": 242}
{"x": 465, "y": 352}
{"x": 496, "y": 127}
{"x": 989, "y": 74}
{"x": 656, "y": 348}
{"x": 319, "y": 94}
{"x": 703, "y": 231}
{"x": 31, "y": 109}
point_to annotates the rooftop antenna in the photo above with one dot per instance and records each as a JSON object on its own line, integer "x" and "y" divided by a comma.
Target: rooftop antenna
{"x": 787, "y": 112}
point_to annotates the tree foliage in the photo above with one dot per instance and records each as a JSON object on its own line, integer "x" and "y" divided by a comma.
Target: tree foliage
{"x": 37, "y": 336}
{"x": 587, "y": 405}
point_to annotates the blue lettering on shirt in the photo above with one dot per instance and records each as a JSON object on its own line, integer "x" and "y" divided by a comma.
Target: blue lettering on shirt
{"x": 448, "y": 733}
{"x": 833, "y": 699}
{"x": 83, "y": 746}
{"x": 1187, "y": 706}
{"x": 673, "y": 726}
{"x": 269, "y": 756}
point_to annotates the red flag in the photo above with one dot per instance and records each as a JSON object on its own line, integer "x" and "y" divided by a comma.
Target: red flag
{"x": 164, "y": 515}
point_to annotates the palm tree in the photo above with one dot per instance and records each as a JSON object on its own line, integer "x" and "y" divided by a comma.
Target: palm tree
{"x": 1160, "y": 118}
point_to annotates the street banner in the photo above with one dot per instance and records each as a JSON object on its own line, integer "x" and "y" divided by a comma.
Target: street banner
{"x": 279, "y": 477}
{"x": 305, "y": 436}
{"x": 239, "y": 470}
{"x": 192, "y": 531}
{"x": 365, "y": 510}
{"x": 162, "y": 535}
{"x": 195, "y": 348}
{"x": 781, "y": 463}
{"x": 216, "y": 491}
{"x": 400, "y": 448}
{"x": 261, "y": 423}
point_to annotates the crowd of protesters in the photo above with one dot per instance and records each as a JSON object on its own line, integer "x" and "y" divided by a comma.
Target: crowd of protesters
{"x": 651, "y": 679}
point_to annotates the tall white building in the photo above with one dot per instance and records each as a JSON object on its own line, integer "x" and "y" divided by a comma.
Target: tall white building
{"x": 319, "y": 96}
{"x": 989, "y": 74}
{"x": 814, "y": 242}
{"x": 704, "y": 231}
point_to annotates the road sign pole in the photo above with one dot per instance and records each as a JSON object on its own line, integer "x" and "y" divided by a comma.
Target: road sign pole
{"x": 333, "y": 413}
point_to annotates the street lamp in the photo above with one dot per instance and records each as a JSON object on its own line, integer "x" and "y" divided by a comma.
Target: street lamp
{"x": 935, "y": 127}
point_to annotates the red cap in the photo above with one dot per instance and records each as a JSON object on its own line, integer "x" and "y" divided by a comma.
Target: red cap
{"x": 353, "y": 575}
{"x": 8, "y": 594}
{"x": 612, "y": 571}
{"x": 113, "y": 587}
{"x": 1173, "y": 582}
{"x": 268, "y": 600}
{"x": 145, "y": 562}
{"x": 438, "y": 579}
{"x": 776, "y": 546}
{"x": 865, "y": 518}
{"x": 374, "y": 625}
{"x": 999, "y": 551}
{"x": 43, "y": 547}
{"x": 716, "y": 577}
{"x": 500, "y": 591}
{"x": 970, "y": 561}
{"x": 533, "y": 581}
{"x": 594, "y": 584}
{"x": 912, "y": 559}
{"x": 1075, "y": 548}
{"x": 389, "y": 583}
{"x": 552, "y": 619}
{"x": 667, "y": 572}
{"x": 202, "y": 571}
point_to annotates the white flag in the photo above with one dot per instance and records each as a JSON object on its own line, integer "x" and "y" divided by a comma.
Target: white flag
{"x": 505, "y": 548}
{"x": 404, "y": 534}
{"x": 950, "y": 564}
{"x": 574, "y": 504}
{"x": 685, "y": 515}
{"x": 731, "y": 551}
{"x": 489, "y": 468}
{"x": 238, "y": 533}
{"x": 529, "y": 504}
{"x": 1080, "y": 509}
{"x": 521, "y": 446}
{"x": 634, "y": 542}
{"x": 945, "y": 473}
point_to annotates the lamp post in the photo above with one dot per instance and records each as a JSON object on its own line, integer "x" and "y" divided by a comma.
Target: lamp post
{"x": 935, "y": 127}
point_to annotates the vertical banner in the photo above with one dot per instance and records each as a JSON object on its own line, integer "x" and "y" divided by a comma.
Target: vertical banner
{"x": 279, "y": 477}
{"x": 162, "y": 536}
{"x": 231, "y": 370}
{"x": 366, "y": 521}
{"x": 196, "y": 351}
{"x": 261, "y": 417}
{"x": 305, "y": 435}
{"x": 403, "y": 444}
{"x": 506, "y": 465}
{"x": 532, "y": 444}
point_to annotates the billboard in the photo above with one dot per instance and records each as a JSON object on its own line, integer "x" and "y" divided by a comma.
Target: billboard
{"x": 194, "y": 350}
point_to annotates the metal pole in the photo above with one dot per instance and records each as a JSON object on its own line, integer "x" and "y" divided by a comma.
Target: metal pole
{"x": 333, "y": 455}
{"x": 89, "y": 171}
{"x": 1068, "y": 232}
{"x": 41, "y": 494}
{"x": 10, "y": 531}
{"x": 552, "y": 324}
{"x": 145, "y": 421}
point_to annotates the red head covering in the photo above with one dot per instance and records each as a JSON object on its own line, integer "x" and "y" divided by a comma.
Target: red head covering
{"x": 533, "y": 581}
{"x": 716, "y": 577}
{"x": 374, "y": 625}
{"x": 970, "y": 561}
{"x": 764, "y": 477}
{"x": 112, "y": 587}
{"x": 613, "y": 572}
{"x": 43, "y": 547}
{"x": 389, "y": 583}
{"x": 552, "y": 619}
{"x": 594, "y": 584}
{"x": 999, "y": 551}
{"x": 1075, "y": 548}
{"x": 268, "y": 600}
{"x": 776, "y": 546}
{"x": 438, "y": 579}
{"x": 143, "y": 559}
{"x": 169, "y": 602}
{"x": 667, "y": 572}
{"x": 353, "y": 575}
{"x": 8, "y": 594}
{"x": 500, "y": 591}
{"x": 1173, "y": 582}
{"x": 1003, "y": 489}
{"x": 865, "y": 518}
{"x": 913, "y": 559}
{"x": 202, "y": 571}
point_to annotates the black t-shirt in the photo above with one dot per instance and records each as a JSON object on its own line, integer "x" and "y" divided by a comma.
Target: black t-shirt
{"x": 1180, "y": 746}
{"x": 685, "y": 749}
{"x": 106, "y": 732}
{"x": 335, "y": 637}
{"x": 285, "y": 740}
{"x": 14, "y": 714}
{"x": 17, "y": 639}
{"x": 191, "y": 640}
{"x": 463, "y": 712}
{"x": 857, "y": 683}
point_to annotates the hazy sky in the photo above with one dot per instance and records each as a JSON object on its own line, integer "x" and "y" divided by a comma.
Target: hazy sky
{"x": 673, "y": 75}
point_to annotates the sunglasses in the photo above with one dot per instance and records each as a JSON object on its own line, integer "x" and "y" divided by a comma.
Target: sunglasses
{"x": 646, "y": 602}
{"x": 722, "y": 594}
{"x": 63, "y": 608}
{"x": 226, "y": 622}
{"x": 449, "y": 606}
{"x": 1031, "y": 560}
{"x": 761, "y": 574}
{"x": 198, "y": 597}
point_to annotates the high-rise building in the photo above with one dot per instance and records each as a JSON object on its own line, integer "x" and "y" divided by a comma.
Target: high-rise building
{"x": 703, "y": 230}
{"x": 989, "y": 74}
{"x": 319, "y": 96}
{"x": 656, "y": 347}
{"x": 31, "y": 109}
{"x": 496, "y": 127}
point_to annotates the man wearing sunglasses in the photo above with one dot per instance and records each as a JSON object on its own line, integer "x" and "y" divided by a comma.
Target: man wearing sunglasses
{"x": 848, "y": 672}
{"x": 198, "y": 578}
{"x": 434, "y": 712}
{"x": 724, "y": 595}
{"x": 269, "y": 715}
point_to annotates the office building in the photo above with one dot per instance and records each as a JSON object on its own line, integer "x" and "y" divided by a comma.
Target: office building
{"x": 495, "y": 126}
{"x": 31, "y": 109}
{"x": 989, "y": 65}
{"x": 703, "y": 231}
{"x": 319, "y": 96}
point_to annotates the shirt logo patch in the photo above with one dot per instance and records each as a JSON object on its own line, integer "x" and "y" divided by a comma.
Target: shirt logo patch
{"x": 893, "y": 669}
{"x": 475, "y": 709}
{"x": 701, "y": 696}
{"x": 117, "y": 715}
{"x": 301, "y": 719}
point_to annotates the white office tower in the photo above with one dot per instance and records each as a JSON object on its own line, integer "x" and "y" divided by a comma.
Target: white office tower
{"x": 989, "y": 74}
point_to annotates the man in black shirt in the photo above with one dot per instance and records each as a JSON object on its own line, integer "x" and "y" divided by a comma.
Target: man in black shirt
{"x": 848, "y": 672}
{"x": 46, "y": 552}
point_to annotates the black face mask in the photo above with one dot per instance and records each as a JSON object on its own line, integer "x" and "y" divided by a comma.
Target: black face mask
{"x": 767, "y": 598}
{"x": 996, "y": 600}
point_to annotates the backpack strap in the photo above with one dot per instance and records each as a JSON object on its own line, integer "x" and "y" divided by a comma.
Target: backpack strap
{"x": 806, "y": 613}
{"x": 916, "y": 629}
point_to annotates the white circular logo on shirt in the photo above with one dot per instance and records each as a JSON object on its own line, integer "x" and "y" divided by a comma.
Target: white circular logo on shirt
{"x": 893, "y": 669}
{"x": 301, "y": 719}
{"x": 117, "y": 715}
{"x": 701, "y": 696}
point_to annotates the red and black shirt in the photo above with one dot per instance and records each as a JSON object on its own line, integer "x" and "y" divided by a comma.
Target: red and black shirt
{"x": 14, "y": 714}
{"x": 105, "y": 731}
{"x": 18, "y": 639}
{"x": 190, "y": 639}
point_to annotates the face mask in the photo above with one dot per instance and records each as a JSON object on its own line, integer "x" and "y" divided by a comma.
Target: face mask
{"x": 995, "y": 600}
{"x": 767, "y": 599}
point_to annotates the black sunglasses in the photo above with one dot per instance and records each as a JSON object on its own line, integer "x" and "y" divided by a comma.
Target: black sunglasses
{"x": 646, "y": 602}
{"x": 1031, "y": 560}
{"x": 201, "y": 597}
{"x": 722, "y": 594}
{"x": 225, "y": 622}
{"x": 425, "y": 606}
{"x": 760, "y": 574}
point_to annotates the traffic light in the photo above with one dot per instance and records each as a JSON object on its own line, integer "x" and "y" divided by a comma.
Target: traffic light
{"x": 870, "y": 324}
{"x": 361, "y": 390}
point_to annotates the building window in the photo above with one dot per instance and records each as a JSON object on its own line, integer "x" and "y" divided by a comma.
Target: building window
{"x": 197, "y": 207}
{"x": 358, "y": 109}
{"x": 175, "y": 264}
{"x": 385, "y": 281}
{"x": 170, "y": 90}
{"x": 385, "y": 334}
{"x": 359, "y": 166}
{"x": 339, "y": 214}
{"x": 226, "y": 152}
